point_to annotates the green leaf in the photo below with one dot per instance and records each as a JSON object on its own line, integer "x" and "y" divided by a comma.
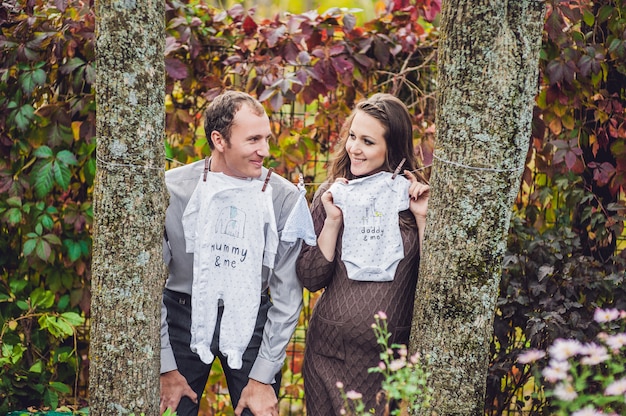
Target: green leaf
{"x": 22, "y": 305}
{"x": 63, "y": 302}
{"x": 52, "y": 239}
{"x": 44, "y": 180}
{"x": 43, "y": 250}
{"x": 67, "y": 157}
{"x": 604, "y": 13}
{"x": 14, "y": 201}
{"x": 24, "y": 116}
{"x": 588, "y": 18}
{"x": 60, "y": 387}
{"x": 64, "y": 328}
{"x": 71, "y": 65}
{"x": 51, "y": 398}
{"x": 62, "y": 174}
{"x": 73, "y": 249}
{"x": 36, "y": 368}
{"x": 615, "y": 43}
{"x": 39, "y": 76}
{"x": 29, "y": 246}
{"x": 73, "y": 318}
{"x": 43, "y": 152}
{"x": 27, "y": 82}
{"x": 18, "y": 285}
{"x": 47, "y": 222}
{"x": 14, "y": 216}
{"x": 42, "y": 298}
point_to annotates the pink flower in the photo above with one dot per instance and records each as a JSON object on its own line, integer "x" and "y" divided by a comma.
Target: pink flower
{"x": 606, "y": 315}
{"x": 565, "y": 391}
{"x": 395, "y": 365}
{"x": 380, "y": 315}
{"x": 562, "y": 349}
{"x": 530, "y": 356}
{"x": 588, "y": 411}
{"x": 339, "y": 385}
{"x": 615, "y": 342}
{"x": 353, "y": 395}
{"x": 556, "y": 370}
{"x": 594, "y": 354}
{"x": 616, "y": 388}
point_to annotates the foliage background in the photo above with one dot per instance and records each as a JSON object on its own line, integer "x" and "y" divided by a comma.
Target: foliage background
{"x": 308, "y": 69}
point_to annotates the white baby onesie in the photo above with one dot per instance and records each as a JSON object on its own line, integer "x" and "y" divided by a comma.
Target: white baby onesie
{"x": 299, "y": 224}
{"x": 372, "y": 244}
{"x": 229, "y": 226}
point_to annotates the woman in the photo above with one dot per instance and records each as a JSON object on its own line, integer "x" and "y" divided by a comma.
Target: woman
{"x": 340, "y": 343}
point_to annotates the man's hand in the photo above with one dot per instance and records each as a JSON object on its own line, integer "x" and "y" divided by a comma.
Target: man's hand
{"x": 259, "y": 398}
{"x": 173, "y": 388}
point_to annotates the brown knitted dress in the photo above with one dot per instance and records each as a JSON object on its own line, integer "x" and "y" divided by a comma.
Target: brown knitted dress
{"x": 340, "y": 342}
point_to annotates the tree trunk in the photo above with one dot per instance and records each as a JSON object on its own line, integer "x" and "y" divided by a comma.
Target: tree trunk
{"x": 129, "y": 209}
{"x": 487, "y": 81}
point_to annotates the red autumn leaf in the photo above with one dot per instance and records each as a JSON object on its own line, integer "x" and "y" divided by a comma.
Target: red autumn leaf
{"x": 176, "y": 69}
{"x": 249, "y": 26}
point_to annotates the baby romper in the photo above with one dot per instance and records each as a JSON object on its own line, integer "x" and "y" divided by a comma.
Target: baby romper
{"x": 371, "y": 243}
{"x": 229, "y": 226}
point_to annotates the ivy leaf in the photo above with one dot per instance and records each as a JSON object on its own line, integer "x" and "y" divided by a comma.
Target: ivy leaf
{"x": 13, "y": 216}
{"x": 176, "y": 69}
{"x": 29, "y": 246}
{"x": 43, "y": 250}
{"x": 43, "y": 152}
{"x": 73, "y": 250}
{"x": 62, "y": 174}
{"x": 27, "y": 83}
{"x": 44, "y": 179}
{"x": 66, "y": 157}
{"x": 52, "y": 239}
{"x": 71, "y": 65}
{"x": 14, "y": 201}
{"x": 249, "y": 27}
{"x": 24, "y": 116}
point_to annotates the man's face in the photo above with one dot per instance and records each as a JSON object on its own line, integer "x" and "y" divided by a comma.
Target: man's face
{"x": 248, "y": 146}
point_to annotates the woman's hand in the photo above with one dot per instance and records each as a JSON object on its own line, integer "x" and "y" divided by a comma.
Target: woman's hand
{"x": 327, "y": 240}
{"x": 333, "y": 212}
{"x": 419, "y": 193}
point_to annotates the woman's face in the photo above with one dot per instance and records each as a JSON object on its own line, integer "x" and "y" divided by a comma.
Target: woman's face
{"x": 366, "y": 145}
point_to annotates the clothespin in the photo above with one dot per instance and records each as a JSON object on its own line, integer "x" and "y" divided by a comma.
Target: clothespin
{"x": 301, "y": 182}
{"x": 267, "y": 179}
{"x": 206, "y": 168}
{"x": 395, "y": 172}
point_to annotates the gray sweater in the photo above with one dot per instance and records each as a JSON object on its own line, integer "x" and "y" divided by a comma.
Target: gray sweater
{"x": 285, "y": 288}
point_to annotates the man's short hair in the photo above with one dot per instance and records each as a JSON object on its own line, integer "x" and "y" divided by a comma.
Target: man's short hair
{"x": 220, "y": 114}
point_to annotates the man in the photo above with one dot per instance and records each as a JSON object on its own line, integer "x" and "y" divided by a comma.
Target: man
{"x": 238, "y": 129}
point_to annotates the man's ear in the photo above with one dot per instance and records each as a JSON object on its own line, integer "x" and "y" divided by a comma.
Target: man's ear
{"x": 218, "y": 141}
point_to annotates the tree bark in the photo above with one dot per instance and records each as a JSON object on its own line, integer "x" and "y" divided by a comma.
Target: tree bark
{"x": 487, "y": 81}
{"x": 129, "y": 208}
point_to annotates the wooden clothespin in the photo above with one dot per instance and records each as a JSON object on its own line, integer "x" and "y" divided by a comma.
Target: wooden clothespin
{"x": 267, "y": 179}
{"x": 206, "y": 168}
{"x": 395, "y": 172}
